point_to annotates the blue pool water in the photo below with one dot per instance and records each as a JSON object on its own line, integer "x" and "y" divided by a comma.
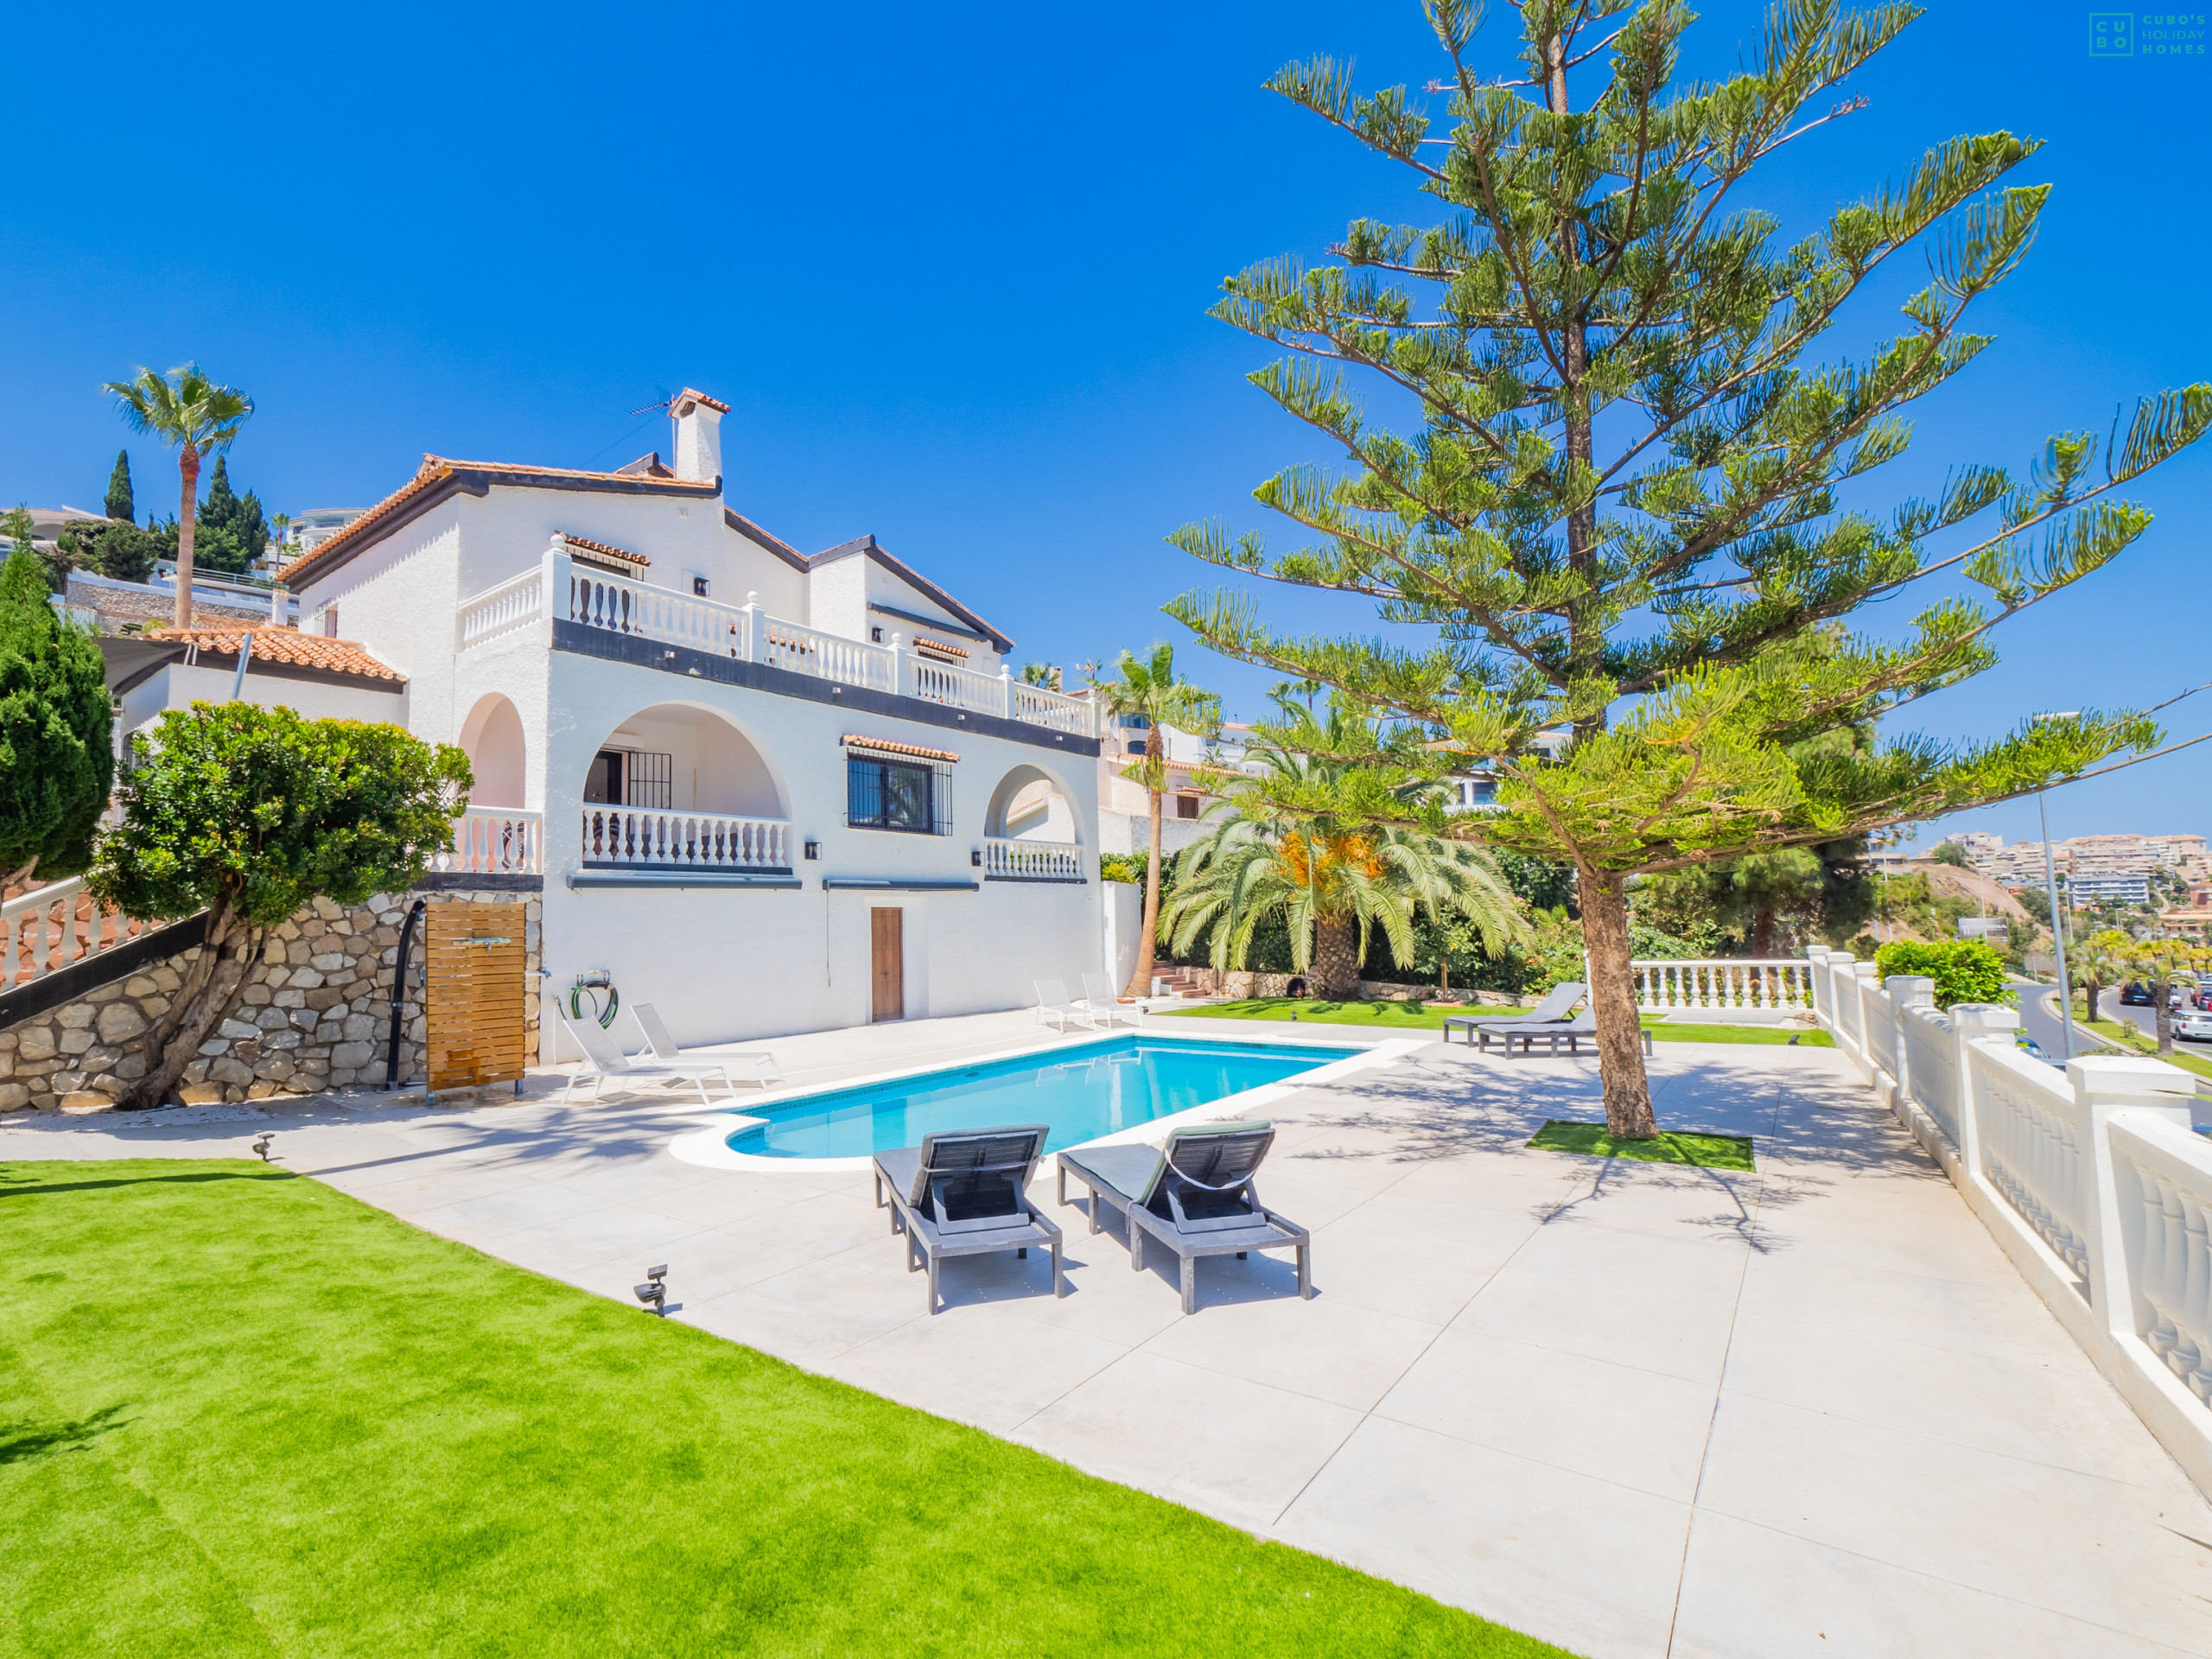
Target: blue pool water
{"x": 1082, "y": 1093}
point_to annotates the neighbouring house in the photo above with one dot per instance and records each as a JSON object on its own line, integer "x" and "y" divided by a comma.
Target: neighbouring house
{"x": 310, "y": 530}
{"x": 767, "y": 791}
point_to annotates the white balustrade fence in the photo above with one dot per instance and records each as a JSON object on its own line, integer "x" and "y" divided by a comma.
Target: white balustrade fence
{"x": 56, "y": 926}
{"x": 570, "y": 590}
{"x": 496, "y": 841}
{"x": 1778, "y": 983}
{"x": 1031, "y": 861}
{"x": 693, "y": 841}
{"x": 2090, "y": 1178}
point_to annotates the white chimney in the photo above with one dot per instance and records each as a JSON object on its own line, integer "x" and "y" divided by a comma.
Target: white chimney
{"x": 698, "y": 436}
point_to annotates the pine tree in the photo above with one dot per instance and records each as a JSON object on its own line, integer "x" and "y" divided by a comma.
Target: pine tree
{"x": 1623, "y": 508}
{"x": 119, "y": 506}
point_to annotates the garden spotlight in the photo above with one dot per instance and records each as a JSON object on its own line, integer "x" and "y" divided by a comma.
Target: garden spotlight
{"x": 261, "y": 1146}
{"x": 652, "y": 1293}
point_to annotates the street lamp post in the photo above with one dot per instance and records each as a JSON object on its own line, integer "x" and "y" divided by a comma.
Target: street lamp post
{"x": 2057, "y": 918}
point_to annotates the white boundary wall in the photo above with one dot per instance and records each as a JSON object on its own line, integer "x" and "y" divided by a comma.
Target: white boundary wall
{"x": 2091, "y": 1180}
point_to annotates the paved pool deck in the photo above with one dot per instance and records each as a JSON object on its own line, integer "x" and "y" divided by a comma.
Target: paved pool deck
{"x": 1634, "y": 1409}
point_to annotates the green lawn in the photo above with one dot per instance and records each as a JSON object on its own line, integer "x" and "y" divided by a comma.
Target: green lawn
{"x": 243, "y": 1413}
{"x": 1668, "y": 1146}
{"x": 1430, "y": 1016}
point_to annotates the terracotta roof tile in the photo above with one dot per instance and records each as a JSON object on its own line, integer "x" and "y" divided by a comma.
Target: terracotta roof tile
{"x": 601, "y": 548}
{"x": 922, "y": 642}
{"x": 691, "y": 395}
{"x": 435, "y": 469}
{"x": 645, "y": 466}
{"x": 851, "y": 741}
{"x": 286, "y": 645}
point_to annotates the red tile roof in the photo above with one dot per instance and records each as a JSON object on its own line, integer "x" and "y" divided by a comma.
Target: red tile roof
{"x": 887, "y": 747}
{"x": 274, "y": 644}
{"x": 601, "y": 548}
{"x": 437, "y": 469}
{"x": 922, "y": 642}
{"x": 688, "y": 394}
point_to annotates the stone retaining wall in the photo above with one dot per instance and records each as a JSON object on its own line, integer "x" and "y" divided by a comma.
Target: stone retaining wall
{"x": 316, "y": 1016}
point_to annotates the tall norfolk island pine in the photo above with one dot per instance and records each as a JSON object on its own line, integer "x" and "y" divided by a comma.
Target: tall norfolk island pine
{"x": 1624, "y": 506}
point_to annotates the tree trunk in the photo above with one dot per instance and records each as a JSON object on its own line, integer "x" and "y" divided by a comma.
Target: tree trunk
{"x": 1336, "y": 957}
{"x": 1140, "y": 984}
{"x": 187, "y": 464}
{"x": 1603, "y": 896}
{"x": 213, "y": 982}
{"x": 2162, "y": 997}
{"x": 1763, "y": 933}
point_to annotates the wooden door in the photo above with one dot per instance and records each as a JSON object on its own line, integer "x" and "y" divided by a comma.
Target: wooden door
{"x": 887, "y": 945}
{"x": 473, "y": 974}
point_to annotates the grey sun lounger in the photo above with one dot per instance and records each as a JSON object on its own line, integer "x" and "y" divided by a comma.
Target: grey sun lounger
{"x": 964, "y": 1193}
{"x": 1195, "y": 1197}
{"x": 1552, "y": 1011}
{"x": 1570, "y": 1032}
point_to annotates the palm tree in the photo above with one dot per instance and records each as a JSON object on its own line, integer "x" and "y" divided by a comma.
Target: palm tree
{"x": 1149, "y": 691}
{"x": 1333, "y": 878}
{"x": 2097, "y": 965}
{"x": 200, "y": 418}
{"x": 2161, "y": 962}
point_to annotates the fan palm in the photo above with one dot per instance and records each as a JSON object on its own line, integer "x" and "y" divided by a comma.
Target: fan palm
{"x": 1278, "y": 852}
{"x": 1149, "y": 689}
{"x": 200, "y": 418}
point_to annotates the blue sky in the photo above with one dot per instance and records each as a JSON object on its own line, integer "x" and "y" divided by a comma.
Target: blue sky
{"x": 950, "y": 266}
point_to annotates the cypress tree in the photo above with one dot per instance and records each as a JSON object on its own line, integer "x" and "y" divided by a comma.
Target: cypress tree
{"x": 253, "y": 528}
{"x": 1623, "y": 509}
{"x": 220, "y": 509}
{"x": 56, "y": 757}
{"x": 119, "y": 506}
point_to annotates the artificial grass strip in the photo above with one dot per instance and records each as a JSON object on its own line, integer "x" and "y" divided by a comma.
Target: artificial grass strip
{"x": 1667, "y": 1030}
{"x": 1668, "y": 1146}
{"x": 243, "y": 1413}
{"x": 1431, "y": 1016}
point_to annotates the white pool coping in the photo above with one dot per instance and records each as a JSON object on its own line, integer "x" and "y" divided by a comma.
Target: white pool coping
{"x": 709, "y": 1148}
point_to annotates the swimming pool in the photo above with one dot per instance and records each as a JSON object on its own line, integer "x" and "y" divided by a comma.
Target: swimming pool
{"x": 1082, "y": 1093}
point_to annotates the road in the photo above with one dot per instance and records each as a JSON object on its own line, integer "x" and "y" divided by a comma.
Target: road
{"x": 2039, "y": 1019}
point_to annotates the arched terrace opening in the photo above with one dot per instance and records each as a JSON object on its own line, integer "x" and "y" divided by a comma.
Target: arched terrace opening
{"x": 679, "y": 786}
{"x": 1030, "y": 830}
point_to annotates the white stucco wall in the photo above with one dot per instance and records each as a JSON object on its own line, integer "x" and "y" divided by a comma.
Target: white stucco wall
{"x": 176, "y": 686}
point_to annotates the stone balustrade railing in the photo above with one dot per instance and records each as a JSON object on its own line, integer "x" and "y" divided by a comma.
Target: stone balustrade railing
{"x": 588, "y": 594}
{"x": 56, "y": 926}
{"x": 2090, "y": 1178}
{"x": 1776, "y": 984}
{"x": 1031, "y": 861}
{"x": 496, "y": 841}
{"x": 638, "y": 838}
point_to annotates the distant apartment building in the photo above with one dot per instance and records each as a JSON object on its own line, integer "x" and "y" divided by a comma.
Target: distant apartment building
{"x": 310, "y": 530}
{"x": 2088, "y": 888}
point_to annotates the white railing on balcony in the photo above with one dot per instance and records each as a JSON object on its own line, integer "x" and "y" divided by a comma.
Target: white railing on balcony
{"x": 691, "y": 840}
{"x": 2024, "y": 1119}
{"x": 2090, "y": 1178}
{"x": 1031, "y": 861}
{"x": 962, "y": 688}
{"x": 495, "y": 841}
{"x": 2164, "y": 1187}
{"x": 56, "y": 926}
{"x": 799, "y": 649}
{"x": 501, "y": 610}
{"x": 1776, "y": 984}
{"x": 589, "y": 595}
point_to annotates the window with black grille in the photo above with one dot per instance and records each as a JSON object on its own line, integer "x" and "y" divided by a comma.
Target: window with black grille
{"x": 886, "y": 792}
{"x": 632, "y": 778}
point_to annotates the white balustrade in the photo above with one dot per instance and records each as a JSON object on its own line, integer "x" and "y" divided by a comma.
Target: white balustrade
{"x": 2024, "y": 1119}
{"x": 1052, "y": 709}
{"x": 1764, "y": 983}
{"x": 56, "y": 926}
{"x": 962, "y": 688}
{"x": 799, "y": 649}
{"x": 647, "y": 839}
{"x": 1031, "y": 861}
{"x": 2164, "y": 1185}
{"x": 599, "y": 600}
{"x": 501, "y": 610}
{"x": 1931, "y": 1058}
{"x": 495, "y": 841}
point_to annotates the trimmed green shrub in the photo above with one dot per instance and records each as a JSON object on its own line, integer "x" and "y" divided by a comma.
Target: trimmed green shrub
{"x": 1965, "y": 971}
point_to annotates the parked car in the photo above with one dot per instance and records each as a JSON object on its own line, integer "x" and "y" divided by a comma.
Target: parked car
{"x": 2194, "y": 1028}
{"x": 2135, "y": 994}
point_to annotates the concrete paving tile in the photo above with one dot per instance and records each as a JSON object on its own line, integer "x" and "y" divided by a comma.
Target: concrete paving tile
{"x": 1328, "y": 1348}
{"x": 495, "y": 1215}
{"x": 825, "y": 1223}
{"x": 2051, "y": 1407}
{"x": 611, "y": 1233}
{"x": 1818, "y": 1286}
{"x": 1751, "y": 1593}
{"x": 1588, "y": 1564}
{"x": 1238, "y": 1450}
{"x": 1701, "y": 1265}
{"x": 1639, "y": 1429}
{"x": 1417, "y": 1260}
{"x": 982, "y": 1365}
{"x": 445, "y": 1182}
{"x": 1630, "y": 1321}
{"x": 2088, "y": 1548}
{"x": 1509, "y": 1178}
{"x": 727, "y": 1195}
{"x": 1666, "y": 1200}
{"x": 812, "y": 1314}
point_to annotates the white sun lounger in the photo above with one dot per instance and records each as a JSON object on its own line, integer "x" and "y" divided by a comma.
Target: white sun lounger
{"x": 603, "y": 1059}
{"x": 1100, "y": 1002}
{"x": 1054, "y": 1002}
{"x": 663, "y": 1046}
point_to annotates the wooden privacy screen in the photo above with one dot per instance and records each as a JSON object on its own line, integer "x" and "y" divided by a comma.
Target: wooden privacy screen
{"x": 472, "y": 965}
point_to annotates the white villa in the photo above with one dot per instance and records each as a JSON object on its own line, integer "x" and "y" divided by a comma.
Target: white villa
{"x": 769, "y": 791}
